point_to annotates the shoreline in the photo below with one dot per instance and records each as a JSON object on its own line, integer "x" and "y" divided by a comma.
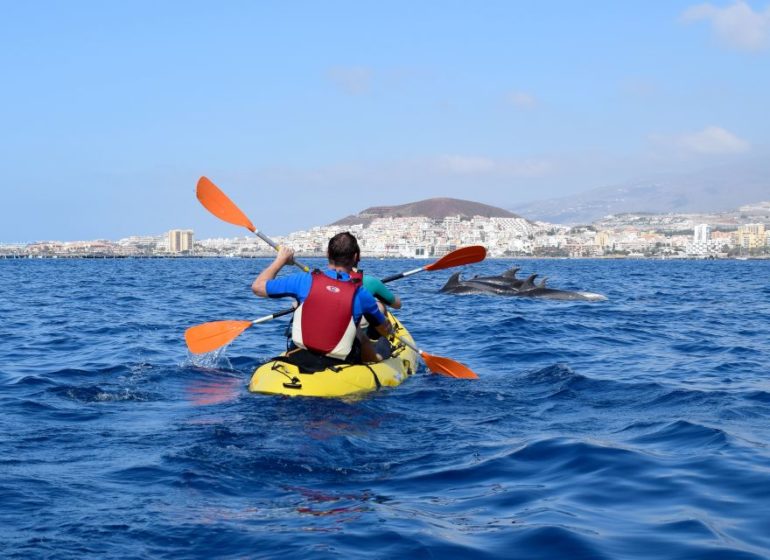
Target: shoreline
{"x": 320, "y": 256}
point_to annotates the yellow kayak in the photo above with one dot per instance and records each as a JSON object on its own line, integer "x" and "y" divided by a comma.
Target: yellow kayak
{"x": 281, "y": 378}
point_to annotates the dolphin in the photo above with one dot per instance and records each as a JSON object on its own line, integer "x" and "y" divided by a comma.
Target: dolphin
{"x": 506, "y": 279}
{"x": 508, "y": 285}
{"x": 502, "y": 285}
{"x": 541, "y": 291}
{"x": 476, "y": 286}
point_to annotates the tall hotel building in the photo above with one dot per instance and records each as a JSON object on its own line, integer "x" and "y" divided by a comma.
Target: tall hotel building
{"x": 180, "y": 241}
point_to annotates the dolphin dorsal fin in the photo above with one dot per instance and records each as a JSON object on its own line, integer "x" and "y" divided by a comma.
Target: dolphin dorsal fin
{"x": 529, "y": 283}
{"x": 542, "y": 283}
{"x": 453, "y": 281}
{"x": 511, "y": 272}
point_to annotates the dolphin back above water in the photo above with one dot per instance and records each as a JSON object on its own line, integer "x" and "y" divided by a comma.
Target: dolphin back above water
{"x": 507, "y": 284}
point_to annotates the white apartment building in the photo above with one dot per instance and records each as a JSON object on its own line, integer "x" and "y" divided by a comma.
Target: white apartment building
{"x": 702, "y": 233}
{"x": 702, "y": 245}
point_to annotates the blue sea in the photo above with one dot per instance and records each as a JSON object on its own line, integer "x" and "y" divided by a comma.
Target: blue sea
{"x": 637, "y": 427}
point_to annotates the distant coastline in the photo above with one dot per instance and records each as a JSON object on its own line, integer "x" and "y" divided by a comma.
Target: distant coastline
{"x": 389, "y": 258}
{"x": 741, "y": 234}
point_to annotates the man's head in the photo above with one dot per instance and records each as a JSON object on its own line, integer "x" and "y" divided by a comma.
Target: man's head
{"x": 343, "y": 250}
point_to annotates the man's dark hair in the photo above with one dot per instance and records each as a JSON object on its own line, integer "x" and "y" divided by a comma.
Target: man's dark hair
{"x": 343, "y": 250}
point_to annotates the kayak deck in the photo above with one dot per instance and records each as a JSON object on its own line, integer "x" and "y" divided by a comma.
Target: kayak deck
{"x": 281, "y": 378}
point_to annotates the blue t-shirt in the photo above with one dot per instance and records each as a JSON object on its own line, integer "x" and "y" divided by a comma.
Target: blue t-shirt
{"x": 298, "y": 287}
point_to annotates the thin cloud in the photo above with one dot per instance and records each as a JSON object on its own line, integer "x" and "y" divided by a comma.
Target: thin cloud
{"x": 736, "y": 25}
{"x": 353, "y": 80}
{"x": 712, "y": 140}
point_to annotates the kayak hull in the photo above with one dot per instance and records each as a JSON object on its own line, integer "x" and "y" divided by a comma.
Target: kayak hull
{"x": 281, "y": 378}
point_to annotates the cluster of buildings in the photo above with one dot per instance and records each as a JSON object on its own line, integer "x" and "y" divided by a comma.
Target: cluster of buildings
{"x": 423, "y": 237}
{"x": 509, "y": 237}
{"x": 747, "y": 239}
{"x": 669, "y": 236}
{"x": 177, "y": 242}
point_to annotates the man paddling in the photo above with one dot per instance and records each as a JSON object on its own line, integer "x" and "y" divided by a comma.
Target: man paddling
{"x": 332, "y": 304}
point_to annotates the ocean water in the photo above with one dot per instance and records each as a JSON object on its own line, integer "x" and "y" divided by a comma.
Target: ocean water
{"x": 632, "y": 428}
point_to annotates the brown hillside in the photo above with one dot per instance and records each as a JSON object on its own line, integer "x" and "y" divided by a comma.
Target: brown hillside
{"x": 434, "y": 208}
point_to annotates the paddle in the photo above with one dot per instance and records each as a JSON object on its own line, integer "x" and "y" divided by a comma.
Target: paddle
{"x": 210, "y": 336}
{"x": 458, "y": 257}
{"x": 441, "y": 365}
{"x": 217, "y": 202}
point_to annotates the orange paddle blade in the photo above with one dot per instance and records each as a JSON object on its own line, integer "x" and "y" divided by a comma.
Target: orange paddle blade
{"x": 218, "y": 204}
{"x": 445, "y": 366}
{"x": 464, "y": 255}
{"x": 210, "y": 336}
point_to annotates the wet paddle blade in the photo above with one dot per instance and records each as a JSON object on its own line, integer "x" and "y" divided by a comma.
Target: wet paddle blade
{"x": 462, "y": 256}
{"x": 211, "y": 336}
{"x": 445, "y": 366}
{"x": 218, "y": 204}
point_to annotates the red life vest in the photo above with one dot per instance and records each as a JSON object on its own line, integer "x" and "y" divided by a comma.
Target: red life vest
{"x": 323, "y": 323}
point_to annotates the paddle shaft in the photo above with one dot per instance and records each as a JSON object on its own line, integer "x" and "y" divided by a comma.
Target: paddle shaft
{"x": 410, "y": 345}
{"x": 267, "y": 318}
{"x": 277, "y": 247}
{"x": 403, "y": 274}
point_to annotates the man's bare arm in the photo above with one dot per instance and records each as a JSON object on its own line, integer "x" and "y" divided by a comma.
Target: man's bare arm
{"x": 285, "y": 256}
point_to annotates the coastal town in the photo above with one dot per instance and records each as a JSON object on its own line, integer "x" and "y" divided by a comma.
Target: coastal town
{"x": 740, "y": 234}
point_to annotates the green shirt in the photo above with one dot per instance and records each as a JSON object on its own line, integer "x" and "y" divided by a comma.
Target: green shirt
{"x": 375, "y": 287}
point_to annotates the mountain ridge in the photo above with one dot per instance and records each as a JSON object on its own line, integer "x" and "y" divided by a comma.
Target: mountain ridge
{"x": 433, "y": 208}
{"x": 717, "y": 189}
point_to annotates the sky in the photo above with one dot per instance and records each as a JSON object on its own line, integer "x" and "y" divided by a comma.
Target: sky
{"x": 305, "y": 112}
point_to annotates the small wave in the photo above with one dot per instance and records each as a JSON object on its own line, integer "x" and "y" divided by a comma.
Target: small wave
{"x": 95, "y": 394}
{"x": 760, "y": 396}
{"x": 68, "y": 373}
{"x": 32, "y": 381}
{"x": 558, "y": 373}
{"x": 143, "y": 475}
{"x": 682, "y": 435}
{"x": 698, "y": 348}
{"x": 537, "y": 461}
{"x": 552, "y": 542}
{"x": 679, "y": 398}
{"x": 734, "y": 366}
{"x": 743, "y": 351}
{"x": 691, "y": 527}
